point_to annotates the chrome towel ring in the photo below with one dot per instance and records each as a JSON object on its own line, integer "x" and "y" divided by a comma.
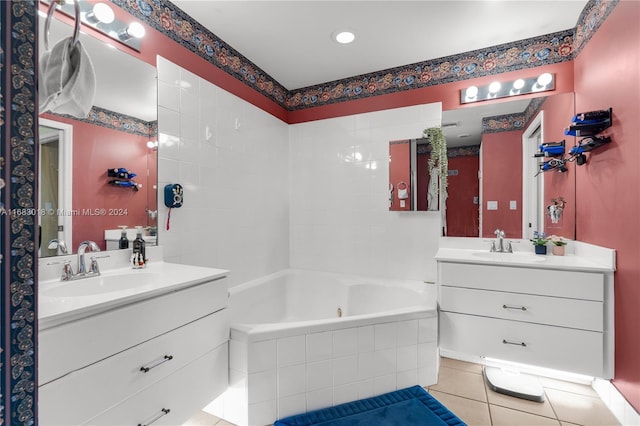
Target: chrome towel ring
{"x": 52, "y": 8}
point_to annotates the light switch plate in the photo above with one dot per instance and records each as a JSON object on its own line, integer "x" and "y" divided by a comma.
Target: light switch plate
{"x": 492, "y": 205}
{"x": 513, "y": 205}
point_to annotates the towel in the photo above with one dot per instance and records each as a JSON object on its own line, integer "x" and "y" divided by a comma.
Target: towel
{"x": 67, "y": 82}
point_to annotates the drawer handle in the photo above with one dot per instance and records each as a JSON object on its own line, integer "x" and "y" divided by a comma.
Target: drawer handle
{"x": 162, "y": 361}
{"x": 522, "y": 308}
{"x": 162, "y": 413}
{"x": 506, "y": 342}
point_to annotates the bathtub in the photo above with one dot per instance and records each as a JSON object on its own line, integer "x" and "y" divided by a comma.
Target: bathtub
{"x": 303, "y": 340}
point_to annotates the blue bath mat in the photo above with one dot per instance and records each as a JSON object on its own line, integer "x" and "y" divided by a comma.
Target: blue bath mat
{"x": 406, "y": 407}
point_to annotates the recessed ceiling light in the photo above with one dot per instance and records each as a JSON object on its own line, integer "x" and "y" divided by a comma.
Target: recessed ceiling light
{"x": 345, "y": 37}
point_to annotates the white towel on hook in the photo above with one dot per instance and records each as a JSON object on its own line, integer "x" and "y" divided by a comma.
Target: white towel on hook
{"x": 67, "y": 82}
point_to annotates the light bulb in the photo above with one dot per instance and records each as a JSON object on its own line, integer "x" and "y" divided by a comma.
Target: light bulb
{"x": 472, "y": 92}
{"x": 135, "y": 29}
{"x": 518, "y": 84}
{"x": 101, "y": 12}
{"x": 544, "y": 79}
{"x": 494, "y": 87}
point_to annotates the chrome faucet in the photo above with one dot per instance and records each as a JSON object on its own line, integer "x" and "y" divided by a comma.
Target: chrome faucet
{"x": 58, "y": 244}
{"x": 501, "y": 248}
{"x": 82, "y": 270}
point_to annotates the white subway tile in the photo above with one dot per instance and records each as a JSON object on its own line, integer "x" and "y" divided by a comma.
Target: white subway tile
{"x": 366, "y": 389}
{"x": 319, "y": 375}
{"x": 291, "y": 405}
{"x": 262, "y": 386}
{"x": 345, "y": 370}
{"x": 407, "y": 332}
{"x": 262, "y": 355}
{"x": 318, "y": 399}
{"x": 385, "y": 362}
{"x": 385, "y": 336}
{"x": 384, "y": 384}
{"x": 427, "y": 330}
{"x": 239, "y": 359}
{"x": 319, "y": 346}
{"x": 291, "y": 351}
{"x": 366, "y": 365}
{"x": 406, "y": 379}
{"x": 262, "y": 413}
{"x": 168, "y": 122}
{"x": 168, "y": 96}
{"x": 345, "y": 393}
{"x": 345, "y": 342}
{"x": 407, "y": 358}
{"x": 365, "y": 339}
{"x": 291, "y": 380}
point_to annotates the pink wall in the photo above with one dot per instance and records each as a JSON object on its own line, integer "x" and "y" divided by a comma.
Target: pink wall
{"x": 502, "y": 182}
{"x": 558, "y": 111}
{"x": 462, "y": 214}
{"x": 96, "y": 149}
{"x": 607, "y": 74}
{"x": 399, "y": 171}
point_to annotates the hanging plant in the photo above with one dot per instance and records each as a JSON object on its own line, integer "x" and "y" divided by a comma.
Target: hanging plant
{"x": 438, "y": 158}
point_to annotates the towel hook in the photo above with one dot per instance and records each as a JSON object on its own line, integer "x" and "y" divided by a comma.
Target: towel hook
{"x": 76, "y": 30}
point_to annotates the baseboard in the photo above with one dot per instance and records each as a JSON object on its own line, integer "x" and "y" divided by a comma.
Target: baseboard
{"x": 619, "y": 406}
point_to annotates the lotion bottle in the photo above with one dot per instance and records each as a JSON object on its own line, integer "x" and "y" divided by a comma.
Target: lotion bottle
{"x": 123, "y": 242}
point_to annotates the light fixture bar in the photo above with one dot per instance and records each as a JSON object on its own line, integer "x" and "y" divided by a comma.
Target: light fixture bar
{"x": 97, "y": 17}
{"x": 498, "y": 89}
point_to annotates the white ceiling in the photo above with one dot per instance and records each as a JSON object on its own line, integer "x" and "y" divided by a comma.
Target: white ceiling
{"x": 291, "y": 40}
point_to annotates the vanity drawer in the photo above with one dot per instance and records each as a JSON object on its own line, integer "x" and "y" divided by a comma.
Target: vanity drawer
{"x": 67, "y": 401}
{"x": 574, "y": 313}
{"x": 544, "y": 282}
{"x": 74, "y": 345}
{"x": 577, "y": 351}
{"x": 182, "y": 394}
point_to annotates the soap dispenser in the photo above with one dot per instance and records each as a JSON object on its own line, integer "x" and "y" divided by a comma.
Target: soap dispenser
{"x": 123, "y": 243}
{"x": 138, "y": 258}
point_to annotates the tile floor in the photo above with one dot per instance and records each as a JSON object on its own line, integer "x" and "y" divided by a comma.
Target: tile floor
{"x": 461, "y": 387}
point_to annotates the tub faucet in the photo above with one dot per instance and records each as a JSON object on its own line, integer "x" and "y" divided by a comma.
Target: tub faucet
{"x": 82, "y": 270}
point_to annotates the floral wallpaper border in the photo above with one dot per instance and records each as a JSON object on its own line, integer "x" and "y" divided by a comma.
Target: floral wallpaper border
{"x": 515, "y": 121}
{"x": 18, "y": 197}
{"x": 543, "y": 50}
{"x": 117, "y": 121}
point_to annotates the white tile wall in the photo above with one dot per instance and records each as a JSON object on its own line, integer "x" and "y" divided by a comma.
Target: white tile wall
{"x": 310, "y": 371}
{"x": 339, "y": 193}
{"x": 232, "y": 160}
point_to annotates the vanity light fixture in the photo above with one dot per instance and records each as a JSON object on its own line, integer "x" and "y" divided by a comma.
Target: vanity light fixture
{"x": 152, "y": 144}
{"x": 496, "y": 89}
{"x": 102, "y": 18}
{"x": 101, "y": 12}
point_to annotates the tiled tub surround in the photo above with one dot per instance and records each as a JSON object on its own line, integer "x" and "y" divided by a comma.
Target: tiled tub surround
{"x": 290, "y": 352}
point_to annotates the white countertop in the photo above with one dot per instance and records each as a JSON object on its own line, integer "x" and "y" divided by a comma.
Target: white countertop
{"x": 528, "y": 260}
{"x": 63, "y": 301}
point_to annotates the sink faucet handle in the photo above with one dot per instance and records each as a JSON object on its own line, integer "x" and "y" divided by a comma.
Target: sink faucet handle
{"x": 67, "y": 271}
{"x": 493, "y": 246}
{"x": 499, "y": 233}
{"x": 509, "y": 247}
{"x": 93, "y": 267}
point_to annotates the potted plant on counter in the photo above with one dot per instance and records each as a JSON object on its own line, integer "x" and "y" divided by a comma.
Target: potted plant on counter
{"x": 558, "y": 245}
{"x": 539, "y": 241}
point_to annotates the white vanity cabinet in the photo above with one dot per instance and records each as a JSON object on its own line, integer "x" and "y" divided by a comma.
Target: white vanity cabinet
{"x": 157, "y": 360}
{"x": 553, "y": 318}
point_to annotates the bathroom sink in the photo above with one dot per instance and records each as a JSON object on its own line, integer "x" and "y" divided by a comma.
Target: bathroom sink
{"x": 510, "y": 257}
{"x": 131, "y": 280}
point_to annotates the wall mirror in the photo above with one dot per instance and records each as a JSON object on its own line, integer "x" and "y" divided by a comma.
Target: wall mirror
{"x": 76, "y": 201}
{"x": 493, "y": 179}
